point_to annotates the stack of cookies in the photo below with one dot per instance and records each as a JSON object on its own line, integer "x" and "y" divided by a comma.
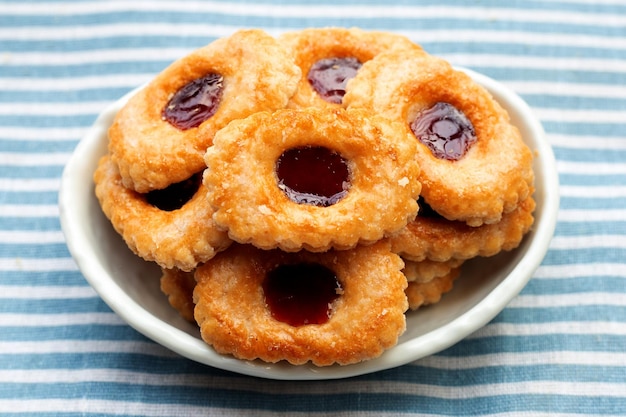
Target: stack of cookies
{"x": 303, "y": 193}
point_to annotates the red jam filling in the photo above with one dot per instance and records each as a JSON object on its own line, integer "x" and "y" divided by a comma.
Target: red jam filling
{"x": 445, "y": 130}
{"x": 313, "y": 175}
{"x": 195, "y": 102}
{"x": 329, "y": 77}
{"x": 300, "y": 294}
{"x": 176, "y": 195}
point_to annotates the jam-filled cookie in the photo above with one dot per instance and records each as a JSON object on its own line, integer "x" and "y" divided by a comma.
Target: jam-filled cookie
{"x": 333, "y": 307}
{"x": 171, "y": 227}
{"x": 312, "y": 178}
{"x": 330, "y": 57}
{"x": 426, "y": 293}
{"x": 426, "y": 270}
{"x": 159, "y": 137}
{"x": 178, "y": 286}
{"x": 475, "y": 165}
{"x": 430, "y": 236}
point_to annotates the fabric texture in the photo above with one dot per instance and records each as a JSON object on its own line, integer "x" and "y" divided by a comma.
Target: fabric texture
{"x": 559, "y": 348}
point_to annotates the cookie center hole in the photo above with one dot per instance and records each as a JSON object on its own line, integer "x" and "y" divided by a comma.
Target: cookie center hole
{"x": 445, "y": 130}
{"x": 195, "y": 102}
{"x": 303, "y": 293}
{"x": 426, "y": 210}
{"x": 329, "y": 77}
{"x": 313, "y": 175}
{"x": 176, "y": 195}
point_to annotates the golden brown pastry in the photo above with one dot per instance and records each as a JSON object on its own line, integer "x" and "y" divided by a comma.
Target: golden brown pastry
{"x": 474, "y": 165}
{"x": 349, "y": 305}
{"x": 161, "y": 134}
{"x": 172, "y": 236}
{"x": 312, "y": 178}
{"x": 178, "y": 286}
{"x": 438, "y": 239}
{"x": 426, "y": 293}
{"x": 329, "y": 57}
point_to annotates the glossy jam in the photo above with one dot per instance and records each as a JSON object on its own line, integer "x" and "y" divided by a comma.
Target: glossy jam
{"x": 329, "y": 77}
{"x": 445, "y": 130}
{"x": 195, "y": 102}
{"x": 299, "y": 294}
{"x": 176, "y": 195}
{"x": 313, "y": 175}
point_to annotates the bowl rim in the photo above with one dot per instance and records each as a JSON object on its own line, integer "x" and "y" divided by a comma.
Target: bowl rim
{"x": 71, "y": 208}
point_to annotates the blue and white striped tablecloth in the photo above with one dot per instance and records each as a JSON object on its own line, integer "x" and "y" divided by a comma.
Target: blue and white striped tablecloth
{"x": 558, "y": 349}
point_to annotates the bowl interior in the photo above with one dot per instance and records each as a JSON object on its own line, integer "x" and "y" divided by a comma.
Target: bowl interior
{"x": 130, "y": 286}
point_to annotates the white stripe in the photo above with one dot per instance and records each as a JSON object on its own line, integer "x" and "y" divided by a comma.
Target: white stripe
{"x": 74, "y": 83}
{"x": 37, "y": 264}
{"x": 535, "y": 62}
{"x": 323, "y": 11}
{"x": 95, "y": 57}
{"x": 24, "y": 210}
{"x": 29, "y": 185}
{"x": 95, "y": 31}
{"x": 591, "y": 168}
{"x": 34, "y": 159}
{"x": 46, "y": 347}
{"x": 609, "y": 191}
{"x": 560, "y": 327}
{"x": 583, "y": 216}
{"x": 570, "y": 300}
{"x": 581, "y": 270}
{"x": 327, "y": 387}
{"x": 34, "y": 237}
{"x": 42, "y": 133}
{"x": 26, "y": 292}
{"x": 587, "y": 142}
{"x": 526, "y": 359}
{"x": 52, "y": 320}
{"x": 588, "y": 242}
{"x": 52, "y": 108}
{"x": 580, "y": 116}
{"x": 567, "y": 89}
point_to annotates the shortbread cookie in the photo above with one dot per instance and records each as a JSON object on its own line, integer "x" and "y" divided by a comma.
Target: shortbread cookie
{"x": 424, "y": 271}
{"x": 159, "y": 137}
{"x": 178, "y": 286}
{"x": 180, "y": 234}
{"x": 474, "y": 164}
{"x": 426, "y": 293}
{"x": 330, "y": 57}
{"x": 433, "y": 237}
{"x": 334, "y": 307}
{"x": 312, "y": 178}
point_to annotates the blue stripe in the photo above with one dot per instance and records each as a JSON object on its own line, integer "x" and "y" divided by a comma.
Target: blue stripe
{"x": 578, "y": 285}
{"x": 63, "y": 97}
{"x": 40, "y": 223}
{"x": 34, "y": 251}
{"x": 33, "y": 172}
{"x": 37, "y": 146}
{"x": 21, "y": 197}
{"x": 69, "y": 333}
{"x": 538, "y": 343}
{"x": 582, "y": 256}
{"x": 54, "y": 306}
{"x": 326, "y": 403}
{"x": 42, "y": 278}
{"x": 585, "y": 203}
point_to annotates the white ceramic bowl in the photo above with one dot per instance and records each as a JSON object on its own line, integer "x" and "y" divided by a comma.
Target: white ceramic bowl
{"x": 130, "y": 286}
